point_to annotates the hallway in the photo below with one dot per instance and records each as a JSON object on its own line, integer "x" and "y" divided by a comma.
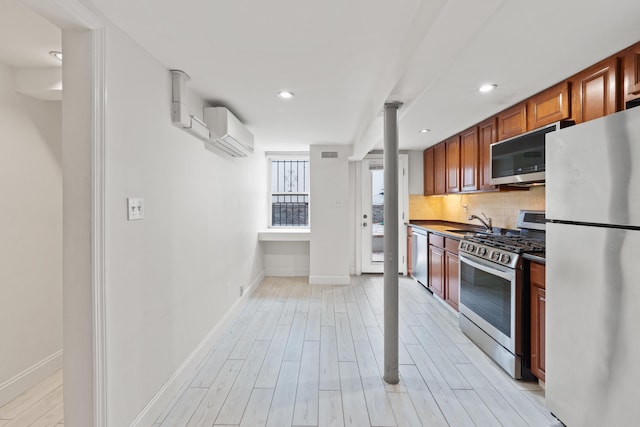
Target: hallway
{"x": 41, "y": 406}
{"x": 301, "y": 355}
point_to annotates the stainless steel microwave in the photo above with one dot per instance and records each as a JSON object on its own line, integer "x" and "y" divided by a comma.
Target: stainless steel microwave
{"x": 521, "y": 159}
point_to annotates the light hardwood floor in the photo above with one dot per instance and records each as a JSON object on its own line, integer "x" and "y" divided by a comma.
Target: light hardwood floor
{"x": 39, "y": 407}
{"x": 301, "y": 355}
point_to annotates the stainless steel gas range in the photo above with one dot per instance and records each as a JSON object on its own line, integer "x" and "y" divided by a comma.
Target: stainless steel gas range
{"x": 493, "y": 298}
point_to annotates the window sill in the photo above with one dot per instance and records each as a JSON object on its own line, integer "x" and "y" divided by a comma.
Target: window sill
{"x": 285, "y": 235}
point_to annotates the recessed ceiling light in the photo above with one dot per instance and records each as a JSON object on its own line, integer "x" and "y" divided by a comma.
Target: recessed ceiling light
{"x": 424, "y": 130}
{"x": 56, "y": 54}
{"x": 487, "y": 88}
{"x": 285, "y": 94}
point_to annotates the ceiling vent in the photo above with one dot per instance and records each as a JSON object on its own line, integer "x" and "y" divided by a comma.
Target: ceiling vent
{"x": 329, "y": 155}
{"x": 227, "y": 133}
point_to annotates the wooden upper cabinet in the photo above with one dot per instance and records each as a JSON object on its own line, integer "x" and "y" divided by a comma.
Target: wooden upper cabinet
{"x": 439, "y": 169}
{"x": 453, "y": 164}
{"x": 512, "y": 122}
{"x": 632, "y": 73}
{"x": 427, "y": 170}
{"x": 486, "y": 136}
{"x": 594, "y": 91}
{"x": 549, "y": 106}
{"x": 469, "y": 157}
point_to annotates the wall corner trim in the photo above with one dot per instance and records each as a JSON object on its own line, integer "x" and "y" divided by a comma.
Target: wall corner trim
{"x": 187, "y": 369}
{"x": 330, "y": 280}
{"x": 99, "y": 99}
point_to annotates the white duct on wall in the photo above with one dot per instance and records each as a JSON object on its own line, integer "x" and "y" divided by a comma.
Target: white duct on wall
{"x": 180, "y": 116}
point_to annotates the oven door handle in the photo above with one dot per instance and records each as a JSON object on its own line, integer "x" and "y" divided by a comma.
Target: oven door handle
{"x": 495, "y": 269}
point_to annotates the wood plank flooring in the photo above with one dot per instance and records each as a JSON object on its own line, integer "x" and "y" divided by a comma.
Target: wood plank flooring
{"x": 41, "y": 406}
{"x": 303, "y": 355}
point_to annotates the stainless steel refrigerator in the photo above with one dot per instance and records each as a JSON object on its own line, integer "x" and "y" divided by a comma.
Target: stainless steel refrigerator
{"x": 593, "y": 272}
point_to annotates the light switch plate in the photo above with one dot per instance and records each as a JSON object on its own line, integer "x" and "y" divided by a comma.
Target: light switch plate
{"x": 135, "y": 208}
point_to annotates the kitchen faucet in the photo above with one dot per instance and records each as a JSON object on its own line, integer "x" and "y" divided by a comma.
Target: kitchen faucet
{"x": 487, "y": 223}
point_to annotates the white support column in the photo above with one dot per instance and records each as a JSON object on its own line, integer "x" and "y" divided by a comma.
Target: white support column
{"x": 391, "y": 242}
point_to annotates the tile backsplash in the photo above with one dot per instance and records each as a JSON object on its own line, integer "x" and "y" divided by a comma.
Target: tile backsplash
{"x": 423, "y": 207}
{"x": 502, "y": 207}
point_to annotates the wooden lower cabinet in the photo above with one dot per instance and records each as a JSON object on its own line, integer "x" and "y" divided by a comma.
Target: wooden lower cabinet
{"x": 452, "y": 287}
{"x": 436, "y": 270}
{"x": 538, "y": 325}
{"x": 443, "y": 268}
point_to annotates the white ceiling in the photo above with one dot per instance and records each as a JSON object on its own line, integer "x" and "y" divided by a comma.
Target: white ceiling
{"x": 26, "y": 38}
{"x": 344, "y": 59}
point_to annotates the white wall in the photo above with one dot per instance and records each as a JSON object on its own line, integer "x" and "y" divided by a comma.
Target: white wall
{"x": 355, "y": 206}
{"x": 172, "y": 276}
{"x": 416, "y": 174}
{"x": 78, "y": 315}
{"x": 330, "y": 249}
{"x": 30, "y": 238}
{"x": 286, "y": 258}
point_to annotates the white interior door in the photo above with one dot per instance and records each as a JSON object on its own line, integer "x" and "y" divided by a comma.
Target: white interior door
{"x": 372, "y": 215}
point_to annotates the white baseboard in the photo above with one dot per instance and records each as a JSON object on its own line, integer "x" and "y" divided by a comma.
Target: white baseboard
{"x": 330, "y": 280}
{"x": 31, "y": 376}
{"x": 188, "y": 368}
{"x": 286, "y": 272}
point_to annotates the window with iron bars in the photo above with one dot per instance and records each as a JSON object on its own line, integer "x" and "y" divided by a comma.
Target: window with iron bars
{"x": 289, "y": 198}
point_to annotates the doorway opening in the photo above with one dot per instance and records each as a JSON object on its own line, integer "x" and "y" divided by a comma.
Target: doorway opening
{"x": 371, "y": 219}
{"x": 31, "y": 289}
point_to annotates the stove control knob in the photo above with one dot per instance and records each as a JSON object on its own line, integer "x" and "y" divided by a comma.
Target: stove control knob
{"x": 495, "y": 256}
{"x": 482, "y": 251}
{"x": 471, "y": 247}
{"x": 505, "y": 258}
{"x": 463, "y": 245}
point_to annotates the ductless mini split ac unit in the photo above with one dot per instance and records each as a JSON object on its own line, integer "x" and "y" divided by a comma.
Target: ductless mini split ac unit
{"x": 219, "y": 130}
{"x": 227, "y": 133}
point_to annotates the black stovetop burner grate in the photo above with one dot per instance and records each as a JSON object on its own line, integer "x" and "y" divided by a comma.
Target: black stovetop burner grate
{"x": 511, "y": 243}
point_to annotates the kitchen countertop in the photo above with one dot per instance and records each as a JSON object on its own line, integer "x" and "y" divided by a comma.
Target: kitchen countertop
{"x": 441, "y": 227}
{"x": 537, "y": 257}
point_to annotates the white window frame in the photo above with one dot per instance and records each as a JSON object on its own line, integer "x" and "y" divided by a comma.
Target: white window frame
{"x": 292, "y": 156}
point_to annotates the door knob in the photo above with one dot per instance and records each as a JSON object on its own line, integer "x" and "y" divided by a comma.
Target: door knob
{"x": 364, "y": 224}
{"x": 364, "y": 216}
